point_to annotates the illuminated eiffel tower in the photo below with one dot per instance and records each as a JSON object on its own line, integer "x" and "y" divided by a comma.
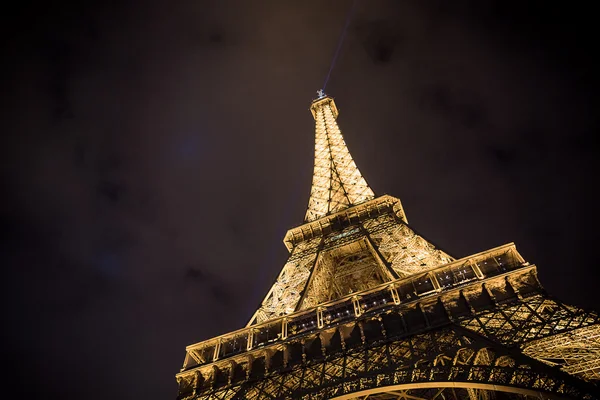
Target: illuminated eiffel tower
{"x": 365, "y": 307}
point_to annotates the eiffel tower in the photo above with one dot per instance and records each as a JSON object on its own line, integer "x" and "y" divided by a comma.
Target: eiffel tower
{"x": 367, "y": 308}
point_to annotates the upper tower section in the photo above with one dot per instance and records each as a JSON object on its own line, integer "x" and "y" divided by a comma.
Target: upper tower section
{"x": 337, "y": 183}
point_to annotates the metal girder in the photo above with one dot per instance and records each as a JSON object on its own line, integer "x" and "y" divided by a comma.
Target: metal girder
{"x": 337, "y": 183}
{"x": 431, "y": 341}
{"x": 366, "y": 308}
{"x": 315, "y": 264}
{"x": 371, "y": 360}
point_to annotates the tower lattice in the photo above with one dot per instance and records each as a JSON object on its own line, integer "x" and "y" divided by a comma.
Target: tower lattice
{"x": 367, "y": 308}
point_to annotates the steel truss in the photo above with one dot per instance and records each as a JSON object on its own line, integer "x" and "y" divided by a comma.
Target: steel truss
{"x": 396, "y": 250}
{"x": 366, "y": 308}
{"x": 453, "y": 340}
{"x": 337, "y": 182}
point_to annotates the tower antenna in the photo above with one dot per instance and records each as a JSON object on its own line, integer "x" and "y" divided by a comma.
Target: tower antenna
{"x": 339, "y": 45}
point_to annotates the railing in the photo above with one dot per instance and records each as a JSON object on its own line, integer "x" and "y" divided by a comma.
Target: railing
{"x": 345, "y": 218}
{"x": 443, "y": 278}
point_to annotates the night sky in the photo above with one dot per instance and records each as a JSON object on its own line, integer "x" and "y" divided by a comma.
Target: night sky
{"x": 155, "y": 153}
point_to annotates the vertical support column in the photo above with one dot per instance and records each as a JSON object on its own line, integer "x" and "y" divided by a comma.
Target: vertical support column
{"x": 284, "y": 328}
{"x": 198, "y": 378}
{"x": 363, "y": 338}
{"x": 249, "y": 368}
{"x": 215, "y": 373}
{"x": 434, "y": 281}
{"x": 232, "y": 366}
{"x": 217, "y": 350}
{"x": 303, "y": 350}
{"x": 320, "y": 317}
{"x": 489, "y": 293}
{"x": 356, "y": 304}
{"x": 420, "y": 308}
{"x": 383, "y": 331}
{"x": 394, "y": 293}
{"x": 250, "y": 339}
{"x": 186, "y": 361}
{"x": 464, "y": 297}
{"x": 267, "y": 356}
{"x": 476, "y": 269}
{"x": 446, "y": 309}
{"x": 286, "y": 355}
{"x": 514, "y": 288}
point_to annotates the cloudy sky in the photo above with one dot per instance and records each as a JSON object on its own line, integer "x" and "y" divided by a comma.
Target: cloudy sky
{"x": 155, "y": 153}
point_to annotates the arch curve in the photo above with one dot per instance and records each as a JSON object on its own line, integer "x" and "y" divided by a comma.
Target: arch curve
{"x": 458, "y": 390}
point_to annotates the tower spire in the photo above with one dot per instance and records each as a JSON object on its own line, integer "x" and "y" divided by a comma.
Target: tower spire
{"x": 366, "y": 306}
{"x": 337, "y": 183}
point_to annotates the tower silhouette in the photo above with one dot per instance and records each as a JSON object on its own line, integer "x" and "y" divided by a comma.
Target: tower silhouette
{"x": 365, "y": 307}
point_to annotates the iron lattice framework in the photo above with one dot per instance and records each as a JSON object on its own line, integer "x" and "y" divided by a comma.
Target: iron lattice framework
{"x": 367, "y": 308}
{"x": 337, "y": 183}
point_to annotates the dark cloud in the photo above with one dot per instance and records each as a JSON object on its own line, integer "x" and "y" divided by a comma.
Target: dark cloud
{"x": 153, "y": 156}
{"x": 503, "y": 155}
{"x": 111, "y": 191}
{"x": 216, "y": 288}
{"x": 215, "y": 37}
{"x": 459, "y": 108}
{"x": 380, "y": 39}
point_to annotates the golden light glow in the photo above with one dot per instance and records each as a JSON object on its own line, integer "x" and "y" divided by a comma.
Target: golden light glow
{"x": 366, "y": 307}
{"x": 337, "y": 183}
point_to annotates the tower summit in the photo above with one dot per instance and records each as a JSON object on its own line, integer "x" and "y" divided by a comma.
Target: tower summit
{"x": 337, "y": 183}
{"x": 365, "y": 307}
